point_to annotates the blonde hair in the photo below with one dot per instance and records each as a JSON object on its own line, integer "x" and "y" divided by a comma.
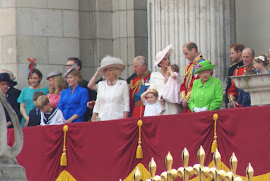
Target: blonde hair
{"x": 42, "y": 101}
{"x": 75, "y": 73}
{"x": 117, "y": 72}
{"x": 154, "y": 92}
{"x": 59, "y": 85}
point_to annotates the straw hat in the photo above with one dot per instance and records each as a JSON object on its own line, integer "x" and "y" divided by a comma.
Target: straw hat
{"x": 53, "y": 74}
{"x": 161, "y": 54}
{"x": 110, "y": 62}
{"x": 204, "y": 65}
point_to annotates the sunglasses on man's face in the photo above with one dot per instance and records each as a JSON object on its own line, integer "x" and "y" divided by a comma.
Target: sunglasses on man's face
{"x": 69, "y": 65}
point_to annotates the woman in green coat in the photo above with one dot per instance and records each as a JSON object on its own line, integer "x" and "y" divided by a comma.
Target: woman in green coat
{"x": 207, "y": 92}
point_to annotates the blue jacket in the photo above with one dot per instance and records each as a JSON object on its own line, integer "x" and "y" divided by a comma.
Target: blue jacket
{"x": 75, "y": 103}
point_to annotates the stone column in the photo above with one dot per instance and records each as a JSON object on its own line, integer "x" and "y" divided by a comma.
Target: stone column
{"x": 112, "y": 27}
{"x": 129, "y": 31}
{"x": 95, "y": 34}
{"x": 208, "y": 23}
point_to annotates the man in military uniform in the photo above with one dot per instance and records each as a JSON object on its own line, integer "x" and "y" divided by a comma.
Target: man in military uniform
{"x": 138, "y": 85}
{"x": 190, "y": 50}
{"x": 236, "y": 56}
{"x": 247, "y": 56}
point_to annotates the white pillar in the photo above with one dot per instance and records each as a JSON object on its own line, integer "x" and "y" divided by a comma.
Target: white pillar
{"x": 208, "y": 23}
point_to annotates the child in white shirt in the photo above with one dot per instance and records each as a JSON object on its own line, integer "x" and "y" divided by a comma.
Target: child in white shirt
{"x": 49, "y": 115}
{"x": 152, "y": 107}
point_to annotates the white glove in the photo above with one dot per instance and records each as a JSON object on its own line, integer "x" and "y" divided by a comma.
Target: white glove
{"x": 203, "y": 109}
{"x": 196, "y": 109}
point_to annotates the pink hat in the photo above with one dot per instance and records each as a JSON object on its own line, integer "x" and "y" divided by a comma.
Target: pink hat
{"x": 161, "y": 54}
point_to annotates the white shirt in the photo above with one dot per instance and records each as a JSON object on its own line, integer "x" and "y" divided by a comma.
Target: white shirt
{"x": 157, "y": 82}
{"x": 152, "y": 109}
{"x": 56, "y": 117}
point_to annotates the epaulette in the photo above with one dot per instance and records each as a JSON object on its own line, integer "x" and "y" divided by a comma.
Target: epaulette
{"x": 198, "y": 58}
{"x": 134, "y": 77}
{"x": 241, "y": 66}
{"x": 233, "y": 64}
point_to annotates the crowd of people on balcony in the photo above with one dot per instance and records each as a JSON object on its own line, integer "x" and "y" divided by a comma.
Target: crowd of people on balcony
{"x": 68, "y": 98}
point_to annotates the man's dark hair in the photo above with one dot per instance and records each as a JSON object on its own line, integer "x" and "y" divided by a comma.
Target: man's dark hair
{"x": 190, "y": 45}
{"x": 76, "y": 60}
{"x": 37, "y": 94}
{"x": 237, "y": 47}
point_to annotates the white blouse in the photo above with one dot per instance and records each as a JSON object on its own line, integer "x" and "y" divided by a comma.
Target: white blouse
{"x": 112, "y": 101}
{"x": 157, "y": 82}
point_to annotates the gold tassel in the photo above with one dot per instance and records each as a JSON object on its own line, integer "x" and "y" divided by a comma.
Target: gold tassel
{"x": 214, "y": 144}
{"x": 63, "y": 160}
{"x": 139, "y": 151}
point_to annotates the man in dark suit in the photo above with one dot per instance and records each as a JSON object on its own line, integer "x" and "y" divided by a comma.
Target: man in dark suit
{"x": 34, "y": 114}
{"x": 236, "y": 56}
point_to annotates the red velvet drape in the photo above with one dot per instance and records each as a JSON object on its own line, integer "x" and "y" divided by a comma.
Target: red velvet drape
{"x": 107, "y": 150}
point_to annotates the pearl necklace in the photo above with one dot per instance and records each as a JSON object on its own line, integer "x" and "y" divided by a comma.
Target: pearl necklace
{"x": 111, "y": 83}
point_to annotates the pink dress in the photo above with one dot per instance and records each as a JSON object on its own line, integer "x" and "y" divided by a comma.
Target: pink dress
{"x": 54, "y": 99}
{"x": 172, "y": 90}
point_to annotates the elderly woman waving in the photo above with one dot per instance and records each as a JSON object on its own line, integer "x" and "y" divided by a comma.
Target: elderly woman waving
{"x": 207, "y": 94}
{"x": 112, "y": 93}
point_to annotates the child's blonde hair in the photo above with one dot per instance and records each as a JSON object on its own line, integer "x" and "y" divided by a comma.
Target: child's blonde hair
{"x": 59, "y": 85}
{"x": 154, "y": 92}
{"x": 262, "y": 59}
{"x": 42, "y": 101}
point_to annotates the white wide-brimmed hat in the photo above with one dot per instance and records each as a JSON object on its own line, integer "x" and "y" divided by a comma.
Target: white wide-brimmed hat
{"x": 110, "y": 62}
{"x": 161, "y": 54}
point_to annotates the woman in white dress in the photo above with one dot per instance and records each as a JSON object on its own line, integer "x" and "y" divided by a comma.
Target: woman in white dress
{"x": 112, "y": 93}
{"x": 157, "y": 79}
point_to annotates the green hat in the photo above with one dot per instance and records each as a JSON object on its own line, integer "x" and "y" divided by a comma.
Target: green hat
{"x": 204, "y": 65}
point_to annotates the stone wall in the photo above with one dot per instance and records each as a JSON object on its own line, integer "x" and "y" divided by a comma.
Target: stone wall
{"x": 112, "y": 27}
{"x": 8, "y": 47}
{"x": 53, "y": 30}
{"x": 252, "y": 24}
{"x": 47, "y": 30}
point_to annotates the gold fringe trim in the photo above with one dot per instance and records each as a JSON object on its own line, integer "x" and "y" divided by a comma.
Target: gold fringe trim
{"x": 65, "y": 176}
{"x": 264, "y": 177}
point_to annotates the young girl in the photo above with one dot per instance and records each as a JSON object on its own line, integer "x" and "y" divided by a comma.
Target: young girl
{"x": 172, "y": 86}
{"x": 152, "y": 107}
{"x": 260, "y": 63}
